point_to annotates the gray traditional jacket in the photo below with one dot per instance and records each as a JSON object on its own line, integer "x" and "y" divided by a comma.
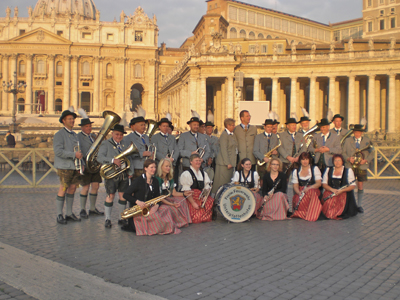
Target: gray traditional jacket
{"x": 228, "y": 147}
{"x": 332, "y": 142}
{"x": 214, "y": 145}
{"x": 349, "y": 149}
{"x": 261, "y": 145}
{"x": 85, "y": 143}
{"x": 246, "y": 141}
{"x": 286, "y": 148}
{"x": 165, "y": 146}
{"x": 187, "y": 144}
{"x": 137, "y": 158}
{"x": 63, "y": 145}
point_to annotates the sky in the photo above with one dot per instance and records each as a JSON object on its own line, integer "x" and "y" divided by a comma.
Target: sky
{"x": 176, "y": 19}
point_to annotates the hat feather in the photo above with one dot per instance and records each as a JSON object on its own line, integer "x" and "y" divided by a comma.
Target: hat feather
{"x": 123, "y": 121}
{"x": 305, "y": 113}
{"x": 363, "y": 121}
{"x": 168, "y": 116}
{"x": 71, "y": 109}
{"x": 329, "y": 115}
{"x": 276, "y": 116}
{"x": 134, "y": 114}
{"x": 210, "y": 117}
{"x": 82, "y": 113}
{"x": 140, "y": 111}
{"x": 271, "y": 115}
{"x": 195, "y": 114}
{"x": 294, "y": 116}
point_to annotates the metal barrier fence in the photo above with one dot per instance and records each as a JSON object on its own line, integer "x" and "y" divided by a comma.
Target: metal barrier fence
{"x": 34, "y": 165}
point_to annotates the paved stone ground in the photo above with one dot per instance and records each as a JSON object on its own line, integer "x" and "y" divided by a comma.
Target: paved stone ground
{"x": 356, "y": 258}
{"x": 8, "y": 292}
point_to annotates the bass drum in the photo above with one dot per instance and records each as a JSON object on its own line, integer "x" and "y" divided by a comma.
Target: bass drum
{"x": 235, "y": 202}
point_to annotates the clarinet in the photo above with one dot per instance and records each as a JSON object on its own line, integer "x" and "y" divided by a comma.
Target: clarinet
{"x": 295, "y": 155}
{"x": 269, "y": 196}
{"x": 302, "y": 195}
{"x": 342, "y": 188}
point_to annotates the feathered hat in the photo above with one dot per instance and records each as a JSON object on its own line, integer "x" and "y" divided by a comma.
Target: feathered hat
{"x": 195, "y": 117}
{"x": 326, "y": 121}
{"x": 138, "y": 116}
{"x": 306, "y": 116}
{"x": 361, "y": 126}
{"x": 167, "y": 119}
{"x": 210, "y": 119}
{"x": 292, "y": 119}
{"x": 85, "y": 119}
{"x": 69, "y": 112}
{"x": 276, "y": 118}
{"x": 270, "y": 119}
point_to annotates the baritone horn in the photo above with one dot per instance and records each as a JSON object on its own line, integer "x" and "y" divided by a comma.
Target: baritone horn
{"x": 108, "y": 171}
{"x": 110, "y": 120}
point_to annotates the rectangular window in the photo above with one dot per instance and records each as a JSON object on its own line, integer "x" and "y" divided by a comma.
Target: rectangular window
{"x": 382, "y": 24}
{"x": 381, "y": 1}
{"x": 252, "y": 48}
{"x": 393, "y": 23}
{"x": 369, "y": 2}
{"x": 110, "y": 37}
{"x": 138, "y": 36}
{"x": 21, "y": 31}
{"x": 58, "y": 82}
{"x": 60, "y": 32}
{"x": 381, "y": 12}
{"x": 86, "y": 35}
{"x": 232, "y": 13}
{"x": 264, "y": 48}
{"x": 336, "y": 35}
{"x": 85, "y": 83}
{"x": 280, "y": 48}
{"x": 392, "y": 10}
{"x": 242, "y": 15}
{"x": 369, "y": 26}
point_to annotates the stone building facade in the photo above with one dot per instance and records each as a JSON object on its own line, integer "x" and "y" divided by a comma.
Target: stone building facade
{"x": 289, "y": 61}
{"x": 68, "y": 57}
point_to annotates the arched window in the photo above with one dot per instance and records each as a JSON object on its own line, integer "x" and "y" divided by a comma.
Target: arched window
{"x": 242, "y": 33}
{"x": 300, "y": 43}
{"x": 40, "y": 67}
{"x": 58, "y": 106}
{"x": 109, "y": 71}
{"x": 252, "y": 35}
{"x": 86, "y": 68}
{"x": 21, "y": 106}
{"x": 269, "y": 37}
{"x": 233, "y": 33}
{"x": 59, "y": 69}
{"x": 136, "y": 95}
{"x": 138, "y": 71}
{"x": 260, "y": 36}
{"x": 21, "y": 69}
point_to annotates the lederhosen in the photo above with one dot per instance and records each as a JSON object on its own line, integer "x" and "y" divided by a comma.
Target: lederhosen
{"x": 197, "y": 184}
{"x": 304, "y": 182}
{"x": 247, "y": 184}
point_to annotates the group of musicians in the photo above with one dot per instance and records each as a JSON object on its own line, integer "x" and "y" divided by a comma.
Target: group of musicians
{"x": 316, "y": 159}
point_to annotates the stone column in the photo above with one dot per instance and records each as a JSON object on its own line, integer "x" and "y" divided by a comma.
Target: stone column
{"x": 192, "y": 95}
{"x": 120, "y": 88}
{"x": 256, "y": 88}
{"x": 293, "y": 95}
{"x": 313, "y": 105}
{"x": 351, "y": 101}
{"x": 50, "y": 87}
{"x": 202, "y": 104}
{"x": 67, "y": 82}
{"x": 371, "y": 125}
{"x": 13, "y": 68}
{"x": 357, "y": 116}
{"x": 332, "y": 94}
{"x": 392, "y": 103}
{"x": 28, "y": 100}
{"x": 75, "y": 79}
{"x": 231, "y": 106}
{"x": 275, "y": 95}
{"x": 337, "y": 97}
{"x": 5, "y": 106}
{"x": 96, "y": 86}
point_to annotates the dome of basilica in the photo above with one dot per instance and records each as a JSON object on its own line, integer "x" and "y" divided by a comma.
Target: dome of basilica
{"x": 64, "y": 8}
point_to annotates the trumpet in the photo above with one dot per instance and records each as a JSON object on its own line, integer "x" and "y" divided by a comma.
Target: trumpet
{"x": 78, "y": 162}
{"x": 152, "y": 148}
{"x": 201, "y": 151}
{"x": 136, "y": 210}
{"x": 269, "y": 154}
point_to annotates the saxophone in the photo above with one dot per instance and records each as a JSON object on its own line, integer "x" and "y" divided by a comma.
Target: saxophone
{"x": 108, "y": 171}
{"x": 269, "y": 153}
{"x": 136, "y": 210}
{"x": 358, "y": 156}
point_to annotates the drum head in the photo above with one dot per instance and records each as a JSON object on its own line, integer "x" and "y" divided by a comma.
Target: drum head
{"x": 237, "y": 204}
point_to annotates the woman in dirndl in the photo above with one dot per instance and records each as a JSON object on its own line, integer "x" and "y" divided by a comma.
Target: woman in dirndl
{"x": 343, "y": 204}
{"x": 196, "y": 180}
{"x": 247, "y": 178}
{"x": 306, "y": 181}
{"x": 176, "y": 202}
{"x": 276, "y": 205}
{"x": 142, "y": 189}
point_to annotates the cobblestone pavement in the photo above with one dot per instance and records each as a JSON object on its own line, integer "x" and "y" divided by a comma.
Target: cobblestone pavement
{"x": 356, "y": 258}
{"x": 8, "y": 292}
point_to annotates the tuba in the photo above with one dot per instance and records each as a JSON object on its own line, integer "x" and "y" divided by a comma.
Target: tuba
{"x": 136, "y": 210}
{"x": 110, "y": 120}
{"x": 351, "y": 127}
{"x": 108, "y": 171}
{"x": 269, "y": 153}
{"x": 150, "y": 131}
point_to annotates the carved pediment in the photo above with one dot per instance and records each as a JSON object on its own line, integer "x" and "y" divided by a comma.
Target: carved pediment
{"x": 40, "y": 35}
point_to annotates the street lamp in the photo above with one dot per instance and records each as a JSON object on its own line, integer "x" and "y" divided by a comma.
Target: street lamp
{"x": 13, "y": 88}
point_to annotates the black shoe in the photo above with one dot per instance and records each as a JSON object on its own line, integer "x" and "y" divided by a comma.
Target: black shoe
{"x": 61, "y": 220}
{"x": 95, "y": 212}
{"x": 289, "y": 214}
{"x": 360, "y": 210}
{"x": 83, "y": 214}
{"x": 108, "y": 224}
{"x": 214, "y": 214}
{"x": 128, "y": 228}
{"x": 72, "y": 218}
{"x": 122, "y": 222}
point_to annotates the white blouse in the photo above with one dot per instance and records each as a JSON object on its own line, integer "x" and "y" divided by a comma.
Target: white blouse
{"x": 317, "y": 175}
{"x": 350, "y": 176}
{"x": 235, "y": 178}
{"x": 186, "y": 179}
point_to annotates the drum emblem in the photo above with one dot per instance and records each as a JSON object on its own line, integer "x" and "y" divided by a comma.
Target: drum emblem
{"x": 237, "y": 202}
